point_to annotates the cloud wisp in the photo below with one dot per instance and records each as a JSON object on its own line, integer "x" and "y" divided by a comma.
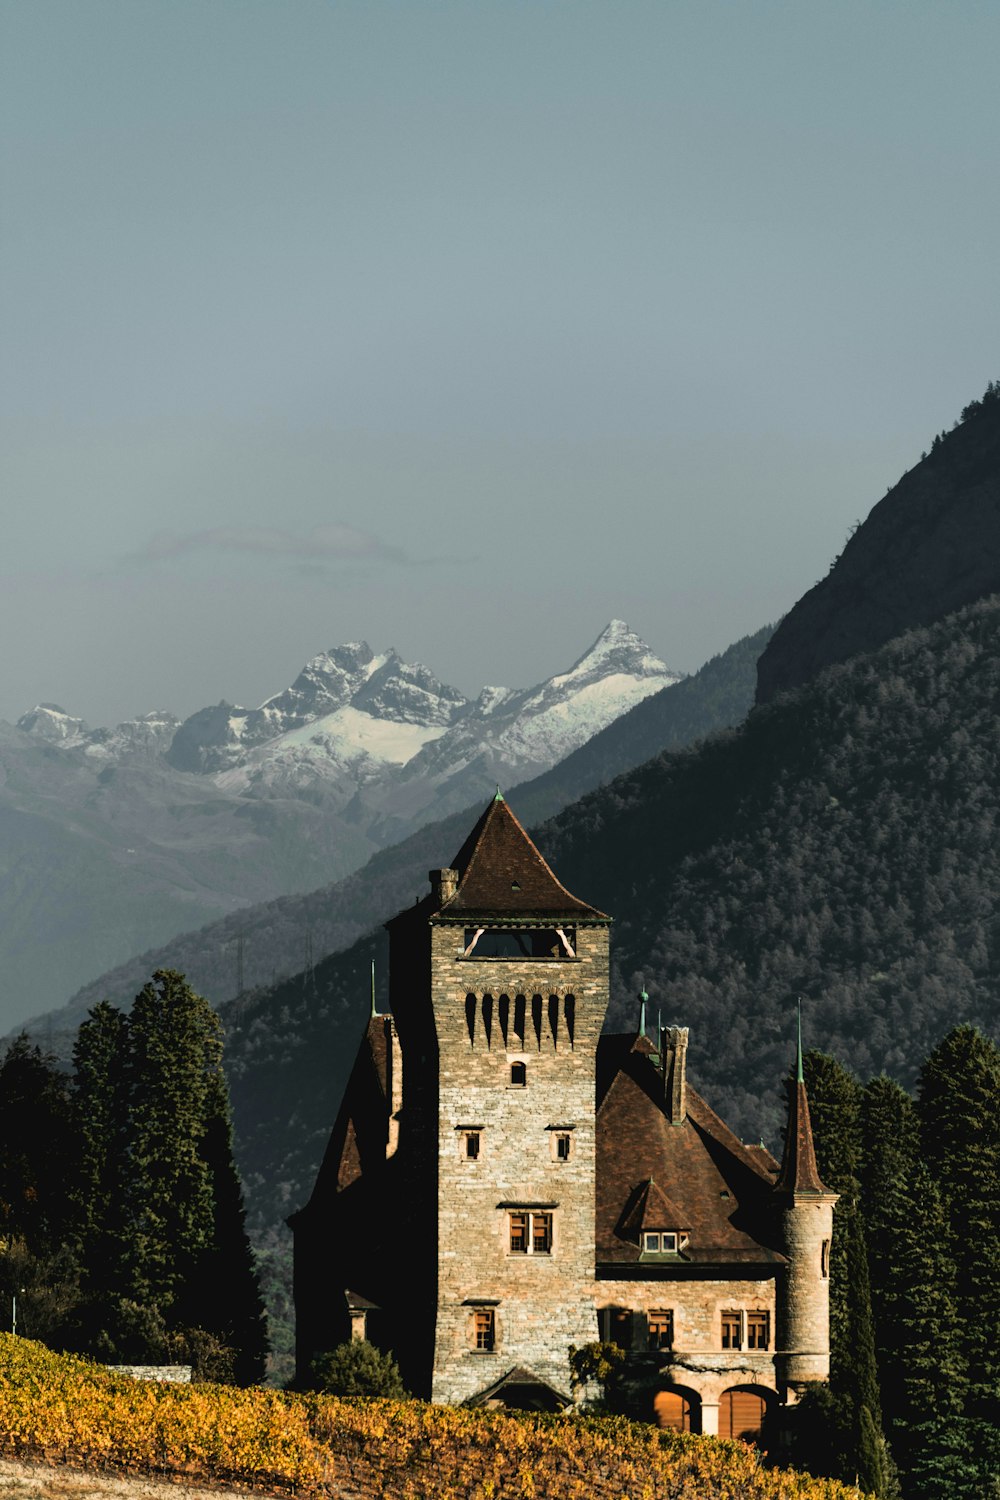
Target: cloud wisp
{"x": 331, "y": 543}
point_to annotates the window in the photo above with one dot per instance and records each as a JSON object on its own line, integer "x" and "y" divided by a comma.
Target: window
{"x": 758, "y": 1330}
{"x": 484, "y": 1330}
{"x": 660, "y": 1329}
{"x": 530, "y": 1233}
{"x": 519, "y": 942}
{"x": 471, "y": 1141}
{"x": 732, "y": 1330}
{"x": 562, "y": 1145}
{"x": 518, "y": 1075}
{"x": 824, "y": 1260}
{"x": 659, "y": 1242}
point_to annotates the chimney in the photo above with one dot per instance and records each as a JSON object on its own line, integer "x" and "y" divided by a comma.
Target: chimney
{"x": 673, "y": 1047}
{"x": 444, "y": 884}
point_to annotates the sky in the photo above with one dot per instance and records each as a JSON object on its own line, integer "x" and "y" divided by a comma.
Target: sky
{"x": 465, "y": 327}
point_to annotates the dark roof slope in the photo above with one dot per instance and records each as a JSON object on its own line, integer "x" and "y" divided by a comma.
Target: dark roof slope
{"x": 720, "y": 1191}
{"x": 501, "y": 873}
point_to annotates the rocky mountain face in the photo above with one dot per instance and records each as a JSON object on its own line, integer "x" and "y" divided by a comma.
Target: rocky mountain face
{"x": 113, "y": 841}
{"x": 929, "y": 547}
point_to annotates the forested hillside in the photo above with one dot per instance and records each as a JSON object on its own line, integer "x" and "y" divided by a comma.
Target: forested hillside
{"x": 278, "y": 936}
{"x": 841, "y": 846}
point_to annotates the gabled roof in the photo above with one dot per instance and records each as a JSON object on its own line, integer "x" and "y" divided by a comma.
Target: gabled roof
{"x": 720, "y": 1192}
{"x": 501, "y": 873}
{"x": 651, "y": 1209}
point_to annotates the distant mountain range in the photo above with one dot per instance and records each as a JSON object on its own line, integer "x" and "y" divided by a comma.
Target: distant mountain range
{"x": 283, "y": 936}
{"x": 116, "y": 840}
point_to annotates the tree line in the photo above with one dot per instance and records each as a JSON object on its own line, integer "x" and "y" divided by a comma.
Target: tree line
{"x": 913, "y": 1404}
{"x": 121, "y": 1212}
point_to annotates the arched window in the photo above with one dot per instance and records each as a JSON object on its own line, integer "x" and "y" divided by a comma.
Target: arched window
{"x": 518, "y": 1075}
{"x": 678, "y": 1410}
{"x": 741, "y": 1414}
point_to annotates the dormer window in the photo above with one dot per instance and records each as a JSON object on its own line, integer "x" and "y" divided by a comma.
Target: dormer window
{"x": 660, "y": 1241}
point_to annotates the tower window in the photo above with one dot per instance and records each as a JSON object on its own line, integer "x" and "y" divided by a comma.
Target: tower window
{"x": 563, "y": 1145}
{"x": 824, "y": 1260}
{"x": 471, "y": 1144}
{"x": 530, "y": 1233}
{"x": 518, "y": 1075}
{"x": 484, "y": 1330}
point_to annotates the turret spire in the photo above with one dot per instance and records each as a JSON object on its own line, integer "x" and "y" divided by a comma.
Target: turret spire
{"x": 643, "y": 997}
{"x": 799, "y": 1172}
{"x": 374, "y": 1012}
{"x": 800, "y": 1075}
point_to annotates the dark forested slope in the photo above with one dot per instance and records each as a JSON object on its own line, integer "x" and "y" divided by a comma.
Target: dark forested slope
{"x": 842, "y": 845}
{"x": 275, "y": 938}
{"x": 932, "y": 545}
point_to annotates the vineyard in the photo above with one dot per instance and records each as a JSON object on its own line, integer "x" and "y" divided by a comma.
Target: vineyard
{"x": 70, "y": 1412}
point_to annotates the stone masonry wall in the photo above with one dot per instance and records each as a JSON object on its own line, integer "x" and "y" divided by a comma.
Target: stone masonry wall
{"x": 697, "y": 1362}
{"x": 808, "y": 1224}
{"x": 542, "y": 1303}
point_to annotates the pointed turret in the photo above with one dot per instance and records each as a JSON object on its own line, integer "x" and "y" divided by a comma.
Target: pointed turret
{"x": 807, "y": 1218}
{"x": 799, "y": 1172}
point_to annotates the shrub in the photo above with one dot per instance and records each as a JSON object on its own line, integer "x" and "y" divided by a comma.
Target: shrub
{"x": 356, "y": 1369}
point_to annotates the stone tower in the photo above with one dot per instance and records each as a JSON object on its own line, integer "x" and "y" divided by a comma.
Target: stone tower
{"x": 499, "y": 991}
{"x": 807, "y": 1219}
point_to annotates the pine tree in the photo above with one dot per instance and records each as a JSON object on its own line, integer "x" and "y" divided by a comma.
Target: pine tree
{"x": 37, "y": 1148}
{"x": 959, "y": 1108}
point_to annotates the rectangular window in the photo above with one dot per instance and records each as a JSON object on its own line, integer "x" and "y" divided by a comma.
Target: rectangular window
{"x": 824, "y": 1260}
{"x": 659, "y": 1241}
{"x": 732, "y": 1330}
{"x": 758, "y": 1330}
{"x": 563, "y": 1144}
{"x": 660, "y": 1329}
{"x": 651, "y": 1243}
{"x": 472, "y": 1145}
{"x": 530, "y": 1234}
{"x": 484, "y": 1329}
{"x": 541, "y": 1233}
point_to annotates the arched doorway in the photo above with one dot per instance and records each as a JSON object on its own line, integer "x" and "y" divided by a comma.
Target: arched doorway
{"x": 677, "y": 1409}
{"x": 742, "y": 1413}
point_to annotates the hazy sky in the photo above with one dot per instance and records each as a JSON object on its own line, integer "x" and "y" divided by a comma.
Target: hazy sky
{"x": 464, "y": 327}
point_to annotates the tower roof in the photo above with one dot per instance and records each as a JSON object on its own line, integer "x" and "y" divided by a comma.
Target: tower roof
{"x": 501, "y": 873}
{"x": 799, "y": 1172}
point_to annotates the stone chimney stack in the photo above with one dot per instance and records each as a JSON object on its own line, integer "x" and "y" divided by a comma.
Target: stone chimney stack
{"x": 673, "y": 1045}
{"x": 444, "y": 884}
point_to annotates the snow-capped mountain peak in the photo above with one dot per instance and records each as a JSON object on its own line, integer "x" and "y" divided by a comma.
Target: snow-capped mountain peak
{"x": 47, "y": 721}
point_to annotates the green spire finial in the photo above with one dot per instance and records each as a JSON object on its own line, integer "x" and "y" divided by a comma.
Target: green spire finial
{"x": 800, "y": 1076}
{"x": 374, "y": 1011}
{"x": 643, "y": 997}
{"x": 499, "y": 795}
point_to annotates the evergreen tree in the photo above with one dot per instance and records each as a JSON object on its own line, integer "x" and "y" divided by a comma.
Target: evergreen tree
{"x": 854, "y": 1409}
{"x": 912, "y": 1272}
{"x": 100, "y": 1057}
{"x": 959, "y": 1107}
{"x": 37, "y": 1148}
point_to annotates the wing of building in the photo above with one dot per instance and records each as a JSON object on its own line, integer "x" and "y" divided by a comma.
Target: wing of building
{"x": 503, "y": 1182}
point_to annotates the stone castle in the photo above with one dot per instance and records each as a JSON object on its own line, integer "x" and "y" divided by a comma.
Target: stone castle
{"x": 504, "y": 1182}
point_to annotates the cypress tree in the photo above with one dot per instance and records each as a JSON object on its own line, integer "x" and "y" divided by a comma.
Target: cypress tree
{"x": 100, "y": 1112}
{"x": 959, "y": 1108}
{"x": 835, "y": 1100}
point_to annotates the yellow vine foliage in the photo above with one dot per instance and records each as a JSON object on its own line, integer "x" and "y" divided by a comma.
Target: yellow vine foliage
{"x": 66, "y": 1410}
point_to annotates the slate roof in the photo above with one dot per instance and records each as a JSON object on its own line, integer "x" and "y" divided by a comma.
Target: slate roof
{"x": 501, "y": 874}
{"x": 721, "y": 1192}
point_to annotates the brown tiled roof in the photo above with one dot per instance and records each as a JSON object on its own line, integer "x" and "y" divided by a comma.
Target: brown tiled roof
{"x": 721, "y": 1192}
{"x": 799, "y": 1172}
{"x": 500, "y": 872}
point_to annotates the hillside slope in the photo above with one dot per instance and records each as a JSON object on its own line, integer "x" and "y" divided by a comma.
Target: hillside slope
{"x": 841, "y": 846}
{"x": 278, "y": 935}
{"x": 932, "y": 545}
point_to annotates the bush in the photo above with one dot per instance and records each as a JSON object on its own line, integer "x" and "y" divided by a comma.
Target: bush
{"x": 356, "y": 1369}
